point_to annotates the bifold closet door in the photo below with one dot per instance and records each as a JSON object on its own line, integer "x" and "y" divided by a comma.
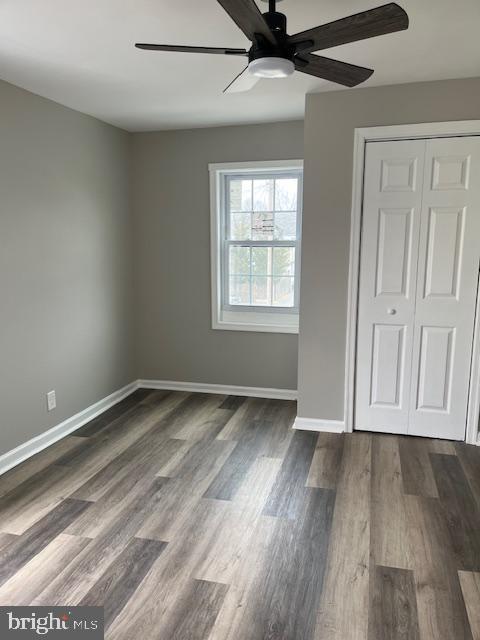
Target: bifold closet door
{"x": 446, "y": 288}
{"x": 388, "y": 273}
{"x": 418, "y": 286}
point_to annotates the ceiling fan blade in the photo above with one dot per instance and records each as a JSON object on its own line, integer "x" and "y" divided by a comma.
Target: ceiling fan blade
{"x": 243, "y": 82}
{"x": 368, "y": 24}
{"x": 248, "y": 18}
{"x": 340, "y": 72}
{"x": 182, "y": 49}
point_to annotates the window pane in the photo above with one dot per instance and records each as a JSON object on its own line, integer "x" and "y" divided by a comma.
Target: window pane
{"x": 262, "y": 228}
{"x": 239, "y": 261}
{"x": 285, "y": 225}
{"x": 283, "y": 292}
{"x": 261, "y": 261}
{"x": 263, "y": 195}
{"x": 240, "y": 195}
{"x": 286, "y": 194}
{"x": 239, "y": 290}
{"x": 261, "y": 209}
{"x": 261, "y": 291}
{"x": 284, "y": 261}
{"x": 240, "y": 226}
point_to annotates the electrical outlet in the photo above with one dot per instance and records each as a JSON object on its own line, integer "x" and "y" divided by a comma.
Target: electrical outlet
{"x": 51, "y": 400}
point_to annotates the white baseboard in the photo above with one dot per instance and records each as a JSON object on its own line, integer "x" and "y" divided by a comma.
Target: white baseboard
{"x": 313, "y": 424}
{"x": 35, "y": 445}
{"x": 222, "y": 389}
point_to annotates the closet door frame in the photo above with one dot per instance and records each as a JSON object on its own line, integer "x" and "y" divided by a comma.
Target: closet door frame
{"x": 391, "y": 133}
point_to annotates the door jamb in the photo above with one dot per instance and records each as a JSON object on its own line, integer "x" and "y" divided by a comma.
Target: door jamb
{"x": 398, "y": 132}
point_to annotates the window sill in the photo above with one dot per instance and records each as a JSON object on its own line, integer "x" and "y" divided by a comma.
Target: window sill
{"x": 260, "y": 322}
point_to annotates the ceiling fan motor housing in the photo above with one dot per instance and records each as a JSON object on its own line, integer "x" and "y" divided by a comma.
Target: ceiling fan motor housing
{"x": 268, "y": 60}
{"x": 262, "y": 48}
{"x": 276, "y": 21}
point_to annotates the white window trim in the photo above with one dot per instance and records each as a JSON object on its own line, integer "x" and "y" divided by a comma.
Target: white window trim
{"x": 270, "y": 322}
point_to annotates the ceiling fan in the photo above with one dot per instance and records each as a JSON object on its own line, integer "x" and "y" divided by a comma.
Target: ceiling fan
{"x": 275, "y": 54}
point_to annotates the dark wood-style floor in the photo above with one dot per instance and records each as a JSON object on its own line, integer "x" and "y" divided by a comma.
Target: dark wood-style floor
{"x": 202, "y": 517}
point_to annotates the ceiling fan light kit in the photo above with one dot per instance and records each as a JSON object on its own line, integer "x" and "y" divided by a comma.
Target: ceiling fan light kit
{"x": 276, "y": 54}
{"x": 272, "y": 67}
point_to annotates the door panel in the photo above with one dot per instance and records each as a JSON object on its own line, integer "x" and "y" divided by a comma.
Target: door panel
{"x": 450, "y": 172}
{"x": 388, "y": 276}
{"x": 393, "y": 251}
{"x": 445, "y": 241}
{"x": 447, "y": 288}
{"x": 387, "y": 365}
{"x": 399, "y": 174}
{"x": 437, "y": 345}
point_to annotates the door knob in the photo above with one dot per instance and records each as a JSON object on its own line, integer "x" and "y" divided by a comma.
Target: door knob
{"x": 391, "y": 312}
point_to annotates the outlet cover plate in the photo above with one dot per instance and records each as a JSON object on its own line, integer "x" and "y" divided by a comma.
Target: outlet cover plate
{"x": 51, "y": 400}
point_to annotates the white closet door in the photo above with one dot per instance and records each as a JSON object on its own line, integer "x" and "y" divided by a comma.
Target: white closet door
{"x": 446, "y": 288}
{"x": 393, "y": 183}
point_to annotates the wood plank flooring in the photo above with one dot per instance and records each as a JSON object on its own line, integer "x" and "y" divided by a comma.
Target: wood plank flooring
{"x": 205, "y": 517}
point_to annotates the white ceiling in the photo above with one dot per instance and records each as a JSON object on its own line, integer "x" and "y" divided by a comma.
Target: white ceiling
{"x": 81, "y": 54}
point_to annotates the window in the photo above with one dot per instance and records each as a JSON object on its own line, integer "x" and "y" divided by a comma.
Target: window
{"x": 256, "y": 230}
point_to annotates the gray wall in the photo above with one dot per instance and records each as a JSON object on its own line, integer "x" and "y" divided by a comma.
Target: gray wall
{"x": 330, "y": 121}
{"x": 65, "y": 263}
{"x": 70, "y": 310}
{"x": 171, "y": 207}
